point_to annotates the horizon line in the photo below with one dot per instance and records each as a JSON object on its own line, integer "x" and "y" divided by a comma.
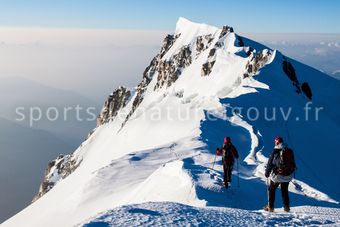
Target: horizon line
{"x": 148, "y": 30}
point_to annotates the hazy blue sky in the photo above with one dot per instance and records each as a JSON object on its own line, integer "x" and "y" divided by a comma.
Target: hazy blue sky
{"x": 245, "y": 16}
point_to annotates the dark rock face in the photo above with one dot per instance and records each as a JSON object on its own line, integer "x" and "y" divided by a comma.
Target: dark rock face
{"x": 249, "y": 51}
{"x": 142, "y": 86}
{"x": 256, "y": 62}
{"x": 212, "y": 53}
{"x": 203, "y": 42}
{"x": 169, "y": 70}
{"x": 307, "y": 90}
{"x": 116, "y": 101}
{"x": 168, "y": 41}
{"x": 183, "y": 58}
{"x": 167, "y": 74}
{"x": 226, "y": 29}
{"x": 56, "y": 170}
{"x": 207, "y": 68}
{"x": 240, "y": 41}
{"x": 289, "y": 70}
{"x": 219, "y": 44}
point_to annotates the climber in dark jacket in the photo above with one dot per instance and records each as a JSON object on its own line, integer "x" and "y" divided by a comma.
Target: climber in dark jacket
{"x": 278, "y": 174}
{"x": 229, "y": 153}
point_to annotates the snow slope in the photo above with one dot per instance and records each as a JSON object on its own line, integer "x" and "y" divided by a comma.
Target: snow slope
{"x": 172, "y": 214}
{"x": 160, "y": 146}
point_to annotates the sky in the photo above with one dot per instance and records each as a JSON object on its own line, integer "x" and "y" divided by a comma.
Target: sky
{"x": 246, "y": 16}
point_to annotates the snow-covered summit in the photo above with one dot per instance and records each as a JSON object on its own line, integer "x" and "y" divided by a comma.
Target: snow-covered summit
{"x": 185, "y": 26}
{"x": 157, "y": 143}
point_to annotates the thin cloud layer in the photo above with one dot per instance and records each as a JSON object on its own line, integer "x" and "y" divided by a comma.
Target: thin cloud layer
{"x": 90, "y": 62}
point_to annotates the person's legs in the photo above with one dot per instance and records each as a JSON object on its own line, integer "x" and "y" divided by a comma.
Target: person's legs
{"x": 230, "y": 168}
{"x": 285, "y": 196}
{"x": 225, "y": 170}
{"x": 272, "y": 188}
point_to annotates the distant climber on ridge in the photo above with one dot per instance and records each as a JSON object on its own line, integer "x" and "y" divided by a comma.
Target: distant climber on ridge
{"x": 229, "y": 153}
{"x": 279, "y": 169}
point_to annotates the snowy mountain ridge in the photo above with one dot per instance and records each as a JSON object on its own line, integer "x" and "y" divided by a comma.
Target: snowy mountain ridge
{"x": 144, "y": 150}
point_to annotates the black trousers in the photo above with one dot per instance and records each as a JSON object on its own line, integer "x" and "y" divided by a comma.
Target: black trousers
{"x": 227, "y": 169}
{"x": 284, "y": 191}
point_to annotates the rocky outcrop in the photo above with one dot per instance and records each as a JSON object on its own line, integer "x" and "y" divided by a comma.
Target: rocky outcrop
{"x": 169, "y": 70}
{"x": 116, "y": 101}
{"x": 202, "y": 43}
{"x": 142, "y": 86}
{"x": 257, "y": 61}
{"x": 167, "y": 74}
{"x": 225, "y": 30}
{"x": 207, "y": 67}
{"x": 168, "y": 41}
{"x": 240, "y": 42}
{"x": 56, "y": 170}
{"x": 64, "y": 165}
{"x": 212, "y": 53}
{"x": 289, "y": 70}
{"x": 307, "y": 90}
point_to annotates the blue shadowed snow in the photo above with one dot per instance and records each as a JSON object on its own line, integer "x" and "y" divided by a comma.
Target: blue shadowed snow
{"x": 175, "y": 214}
{"x": 251, "y": 193}
{"x": 300, "y": 133}
{"x": 97, "y": 224}
{"x": 144, "y": 211}
{"x": 214, "y": 131}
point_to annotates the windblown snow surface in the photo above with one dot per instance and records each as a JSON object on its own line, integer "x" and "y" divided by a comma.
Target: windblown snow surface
{"x": 158, "y": 171}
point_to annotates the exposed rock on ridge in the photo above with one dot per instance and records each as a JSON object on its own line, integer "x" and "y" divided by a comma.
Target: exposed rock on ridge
{"x": 56, "y": 170}
{"x": 289, "y": 70}
{"x": 257, "y": 61}
{"x": 116, "y": 101}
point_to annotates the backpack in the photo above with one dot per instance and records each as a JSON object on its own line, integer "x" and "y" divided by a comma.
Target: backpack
{"x": 286, "y": 163}
{"x": 228, "y": 157}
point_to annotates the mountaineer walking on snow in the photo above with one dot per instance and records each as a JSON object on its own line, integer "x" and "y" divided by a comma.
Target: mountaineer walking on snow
{"x": 229, "y": 153}
{"x": 279, "y": 169}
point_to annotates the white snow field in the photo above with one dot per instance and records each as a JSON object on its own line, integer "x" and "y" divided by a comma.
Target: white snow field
{"x": 158, "y": 171}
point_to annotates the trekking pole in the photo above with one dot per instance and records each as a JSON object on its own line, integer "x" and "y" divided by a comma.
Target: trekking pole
{"x": 212, "y": 167}
{"x": 267, "y": 188}
{"x": 238, "y": 176}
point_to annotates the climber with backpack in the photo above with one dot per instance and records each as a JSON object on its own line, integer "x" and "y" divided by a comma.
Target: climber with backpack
{"x": 229, "y": 153}
{"x": 280, "y": 168}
